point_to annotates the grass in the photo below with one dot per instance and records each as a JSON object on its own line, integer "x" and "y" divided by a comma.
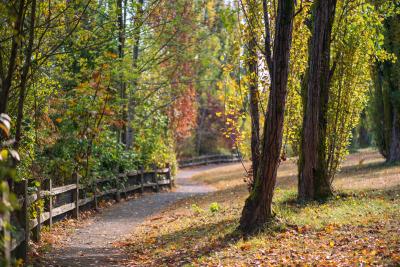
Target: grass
{"x": 358, "y": 227}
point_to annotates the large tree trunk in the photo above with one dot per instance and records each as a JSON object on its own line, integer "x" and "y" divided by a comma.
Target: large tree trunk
{"x": 258, "y": 207}
{"x": 252, "y": 64}
{"x": 394, "y": 154}
{"x": 314, "y": 182}
{"x": 391, "y": 87}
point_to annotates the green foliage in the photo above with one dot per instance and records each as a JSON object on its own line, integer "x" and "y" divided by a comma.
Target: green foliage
{"x": 352, "y": 55}
{"x": 196, "y": 209}
{"x": 8, "y": 160}
{"x": 214, "y": 207}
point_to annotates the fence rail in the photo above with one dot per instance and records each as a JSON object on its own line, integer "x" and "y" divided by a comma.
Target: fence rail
{"x": 68, "y": 199}
{"x": 209, "y": 159}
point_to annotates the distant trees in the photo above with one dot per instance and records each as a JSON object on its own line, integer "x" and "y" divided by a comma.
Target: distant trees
{"x": 385, "y": 108}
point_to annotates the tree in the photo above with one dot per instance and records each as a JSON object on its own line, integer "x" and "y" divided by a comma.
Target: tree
{"x": 258, "y": 206}
{"x": 386, "y": 95}
{"x": 313, "y": 174}
{"x": 8, "y": 66}
{"x": 252, "y": 65}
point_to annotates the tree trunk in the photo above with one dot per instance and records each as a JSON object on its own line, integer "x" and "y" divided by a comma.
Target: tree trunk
{"x": 135, "y": 56}
{"x": 258, "y": 207}
{"x": 252, "y": 63}
{"x": 24, "y": 75}
{"x": 314, "y": 182}
{"x": 121, "y": 55}
{"x": 12, "y": 62}
{"x": 394, "y": 153}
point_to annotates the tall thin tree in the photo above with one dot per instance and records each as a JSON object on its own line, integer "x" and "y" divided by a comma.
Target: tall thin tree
{"x": 252, "y": 66}
{"x": 258, "y": 207}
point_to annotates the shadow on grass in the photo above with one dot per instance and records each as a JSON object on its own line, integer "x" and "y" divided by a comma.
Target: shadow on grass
{"x": 193, "y": 245}
{"x": 390, "y": 193}
{"x": 365, "y": 168}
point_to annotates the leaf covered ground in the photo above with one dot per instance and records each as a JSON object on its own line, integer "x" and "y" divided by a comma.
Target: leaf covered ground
{"x": 359, "y": 227}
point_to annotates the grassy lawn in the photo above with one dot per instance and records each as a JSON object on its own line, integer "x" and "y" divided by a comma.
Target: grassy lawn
{"x": 360, "y": 227}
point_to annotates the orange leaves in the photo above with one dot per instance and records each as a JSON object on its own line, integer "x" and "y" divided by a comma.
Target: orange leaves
{"x": 245, "y": 246}
{"x": 5, "y": 124}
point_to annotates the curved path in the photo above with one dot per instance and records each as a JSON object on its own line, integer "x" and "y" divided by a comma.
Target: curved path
{"x": 91, "y": 245}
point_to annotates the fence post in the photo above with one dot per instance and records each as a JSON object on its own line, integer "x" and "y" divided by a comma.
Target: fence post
{"x": 50, "y": 189}
{"x": 142, "y": 179}
{"x": 36, "y": 232}
{"x": 22, "y": 250}
{"x": 117, "y": 192}
{"x": 156, "y": 178}
{"x": 95, "y": 193}
{"x": 126, "y": 184}
{"x": 75, "y": 195}
{"x": 6, "y": 253}
{"x": 169, "y": 177}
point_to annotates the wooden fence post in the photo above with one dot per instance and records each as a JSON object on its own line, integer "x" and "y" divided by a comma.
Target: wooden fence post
{"x": 95, "y": 193}
{"x": 142, "y": 179}
{"x": 36, "y": 232}
{"x": 156, "y": 178}
{"x": 22, "y": 250}
{"x": 124, "y": 183}
{"x": 117, "y": 192}
{"x": 6, "y": 236}
{"x": 169, "y": 177}
{"x": 75, "y": 195}
{"x": 50, "y": 196}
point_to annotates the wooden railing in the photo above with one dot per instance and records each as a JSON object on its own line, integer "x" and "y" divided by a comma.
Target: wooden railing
{"x": 68, "y": 199}
{"x": 209, "y": 159}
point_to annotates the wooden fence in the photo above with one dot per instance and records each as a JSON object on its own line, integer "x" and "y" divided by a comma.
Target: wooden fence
{"x": 209, "y": 159}
{"x": 67, "y": 200}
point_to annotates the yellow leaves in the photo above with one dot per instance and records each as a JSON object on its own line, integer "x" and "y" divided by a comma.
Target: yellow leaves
{"x": 220, "y": 85}
{"x": 332, "y": 243}
{"x": 4, "y": 154}
{"x": 329, "y": 228}
{"x": 111, "y": 55}
{"x": 218, "y": 114}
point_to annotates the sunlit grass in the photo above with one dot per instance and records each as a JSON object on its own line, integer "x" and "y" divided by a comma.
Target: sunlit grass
{"x": 358, "y": 225}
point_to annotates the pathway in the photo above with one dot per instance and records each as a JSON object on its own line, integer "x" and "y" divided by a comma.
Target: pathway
{"x": 91, "y": 245}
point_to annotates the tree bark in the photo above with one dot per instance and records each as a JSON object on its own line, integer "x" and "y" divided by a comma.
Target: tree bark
{"x": 314, "y": 182}
{"x": 258, "y": 207}
{"x": 391, "y": 87}
{"x": 394, "y": 153}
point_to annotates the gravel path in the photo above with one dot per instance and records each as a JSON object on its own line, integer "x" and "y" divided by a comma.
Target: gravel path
{"x": 91, "y": 245}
